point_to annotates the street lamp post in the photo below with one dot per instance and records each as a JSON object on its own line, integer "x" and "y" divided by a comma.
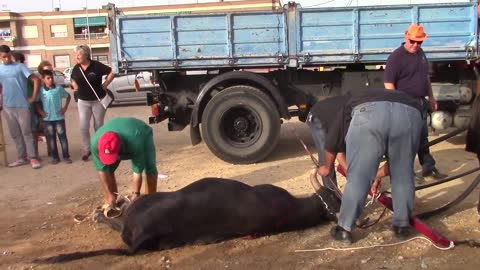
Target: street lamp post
{"x": 88, "y": 27}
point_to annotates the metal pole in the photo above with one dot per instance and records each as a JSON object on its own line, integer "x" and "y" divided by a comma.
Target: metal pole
{"x": 88, "y": 27}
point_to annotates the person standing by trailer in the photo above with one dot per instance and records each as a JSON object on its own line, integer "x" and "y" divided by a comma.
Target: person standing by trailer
{"x": 16, "y": 103}
{"x": 88, "y": 104}
{"x": 53, "y": 115}
{"x": 407, "y": 71}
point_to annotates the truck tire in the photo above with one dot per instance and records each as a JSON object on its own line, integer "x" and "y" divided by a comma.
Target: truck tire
{"x": 241, "y": 124}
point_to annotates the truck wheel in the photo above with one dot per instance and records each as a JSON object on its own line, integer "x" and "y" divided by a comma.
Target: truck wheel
{"x": 241, "y": 124}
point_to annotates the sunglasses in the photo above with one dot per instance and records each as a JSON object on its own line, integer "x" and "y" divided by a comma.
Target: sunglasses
{"x": 414, "y": 41}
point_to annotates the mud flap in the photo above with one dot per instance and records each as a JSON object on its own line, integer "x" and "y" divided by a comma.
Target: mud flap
{"x": 195, "y": 136}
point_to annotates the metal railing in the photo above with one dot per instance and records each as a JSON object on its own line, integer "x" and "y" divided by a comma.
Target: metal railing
{"x": 92, "y": 36}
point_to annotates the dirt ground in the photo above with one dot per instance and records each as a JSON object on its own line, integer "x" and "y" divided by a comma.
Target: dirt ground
{"x": 38, "y": 208}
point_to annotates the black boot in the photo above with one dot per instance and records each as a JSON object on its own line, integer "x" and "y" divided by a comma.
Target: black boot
{"x": 401, "y": 233}
{"x": 340, "y": 234}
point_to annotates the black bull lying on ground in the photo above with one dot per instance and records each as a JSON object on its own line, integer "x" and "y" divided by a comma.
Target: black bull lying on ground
{"x": 211, "y": 210}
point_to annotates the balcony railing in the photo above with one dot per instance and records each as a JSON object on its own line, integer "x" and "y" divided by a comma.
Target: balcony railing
{"x": 59, "y": 34}
{"x": 92, "y": 36}
{"x": 7, "y": 38}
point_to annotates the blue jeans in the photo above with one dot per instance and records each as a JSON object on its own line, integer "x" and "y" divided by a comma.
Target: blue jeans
{"x": 379, "y": 128}
{"x": 319, "y": 136}
{"x": 87, "y": 109}
{"x": 424, "y": 156}
{"x": 52, "y": 129}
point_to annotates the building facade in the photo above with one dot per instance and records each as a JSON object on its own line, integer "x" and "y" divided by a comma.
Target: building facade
{"x": 53, "y": 35}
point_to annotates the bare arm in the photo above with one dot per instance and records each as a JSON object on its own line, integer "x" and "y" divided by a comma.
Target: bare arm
{"x": 1, "y": 97}
{"x": 108, "y": 80}
{"x": 39, "y": 110}
{"x": 389, "y": 86}
{"x": 475, "y": 69}
{"x": 383, "y": 171}
{"x": 36, "y": 85}
{"x": 64, "y": 108}
{"x": 324, "y": 170}
{"x": 342, "y": 160}
{"x": 478, "y": 87}
{"x": 431, "y": 98}
{"x": 74, "y": 84}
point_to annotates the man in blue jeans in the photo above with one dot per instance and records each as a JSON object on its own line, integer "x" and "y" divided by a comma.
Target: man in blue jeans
{"x": 16, "y": 105}
{"x": 370, "y": 125}
{"x": 320, "y": 118}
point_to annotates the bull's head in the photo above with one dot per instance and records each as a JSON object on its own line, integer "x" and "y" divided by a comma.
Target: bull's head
{"x": 330, "y": 201}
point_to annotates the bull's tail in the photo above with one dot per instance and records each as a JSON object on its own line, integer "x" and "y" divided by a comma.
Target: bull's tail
{"x": 68, "y": 257}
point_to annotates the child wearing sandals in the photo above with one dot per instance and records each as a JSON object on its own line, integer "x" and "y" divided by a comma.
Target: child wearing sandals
{"x": 53, "y": 115}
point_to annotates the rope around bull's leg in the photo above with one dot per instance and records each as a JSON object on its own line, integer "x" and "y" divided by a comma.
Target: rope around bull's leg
{"x": 378, "y": 245}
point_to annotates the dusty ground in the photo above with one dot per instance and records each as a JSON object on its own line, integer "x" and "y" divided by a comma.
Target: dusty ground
{"x": 38, "y": 208}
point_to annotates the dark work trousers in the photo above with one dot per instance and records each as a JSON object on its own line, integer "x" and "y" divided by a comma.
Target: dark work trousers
{"x": 319, "y": 135}
{"x": 424, "y": 156}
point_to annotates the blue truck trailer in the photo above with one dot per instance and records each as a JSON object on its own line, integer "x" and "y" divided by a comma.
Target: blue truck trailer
{"x": 235, "y": 76}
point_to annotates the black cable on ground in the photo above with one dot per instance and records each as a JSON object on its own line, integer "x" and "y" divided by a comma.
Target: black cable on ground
{"x": 447, "y": 136}
{"x": 449, "y": 205}
{"x": 448, "y": 179}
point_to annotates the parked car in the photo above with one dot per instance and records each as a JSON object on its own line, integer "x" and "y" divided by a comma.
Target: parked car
{"x": 123, "y": 87}
{"x": 58, "y": 78}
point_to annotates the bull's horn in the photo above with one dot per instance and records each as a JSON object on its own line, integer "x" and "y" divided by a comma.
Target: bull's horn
{"x": 314, "y": 180}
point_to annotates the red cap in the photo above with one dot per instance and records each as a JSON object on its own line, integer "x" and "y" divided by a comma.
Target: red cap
{"x": 109, "y": 147}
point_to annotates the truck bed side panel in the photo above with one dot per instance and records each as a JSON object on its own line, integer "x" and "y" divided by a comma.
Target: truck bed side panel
{"x": 200, "y": 41}
{"x": 370, "y": 34}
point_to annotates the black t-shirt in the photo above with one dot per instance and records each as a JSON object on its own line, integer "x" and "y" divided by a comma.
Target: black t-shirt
{"x": 335, "y": 142}
{"x": 408, "y": 72}
{"x": 326, "y": 110}
{"x": 94, "y": 73}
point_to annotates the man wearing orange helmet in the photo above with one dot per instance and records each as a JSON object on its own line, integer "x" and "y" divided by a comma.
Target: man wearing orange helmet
{"x": 407, "y": 71}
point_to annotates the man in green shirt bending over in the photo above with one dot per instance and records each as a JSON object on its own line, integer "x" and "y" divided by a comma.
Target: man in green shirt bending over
{"x": 124, "y": 138}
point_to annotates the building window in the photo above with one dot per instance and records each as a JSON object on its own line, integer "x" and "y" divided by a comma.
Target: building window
{"x": 101, "y": 58}
{"x": 61, "y": 61}
{"x": 90, "y": 27}
{"x": 59, "y": 30}
{"x": 33, "y": 60}
{"x": 30, "y": 31}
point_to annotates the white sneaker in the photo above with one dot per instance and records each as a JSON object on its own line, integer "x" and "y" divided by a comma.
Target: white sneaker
{"x": 17, "y": 163}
